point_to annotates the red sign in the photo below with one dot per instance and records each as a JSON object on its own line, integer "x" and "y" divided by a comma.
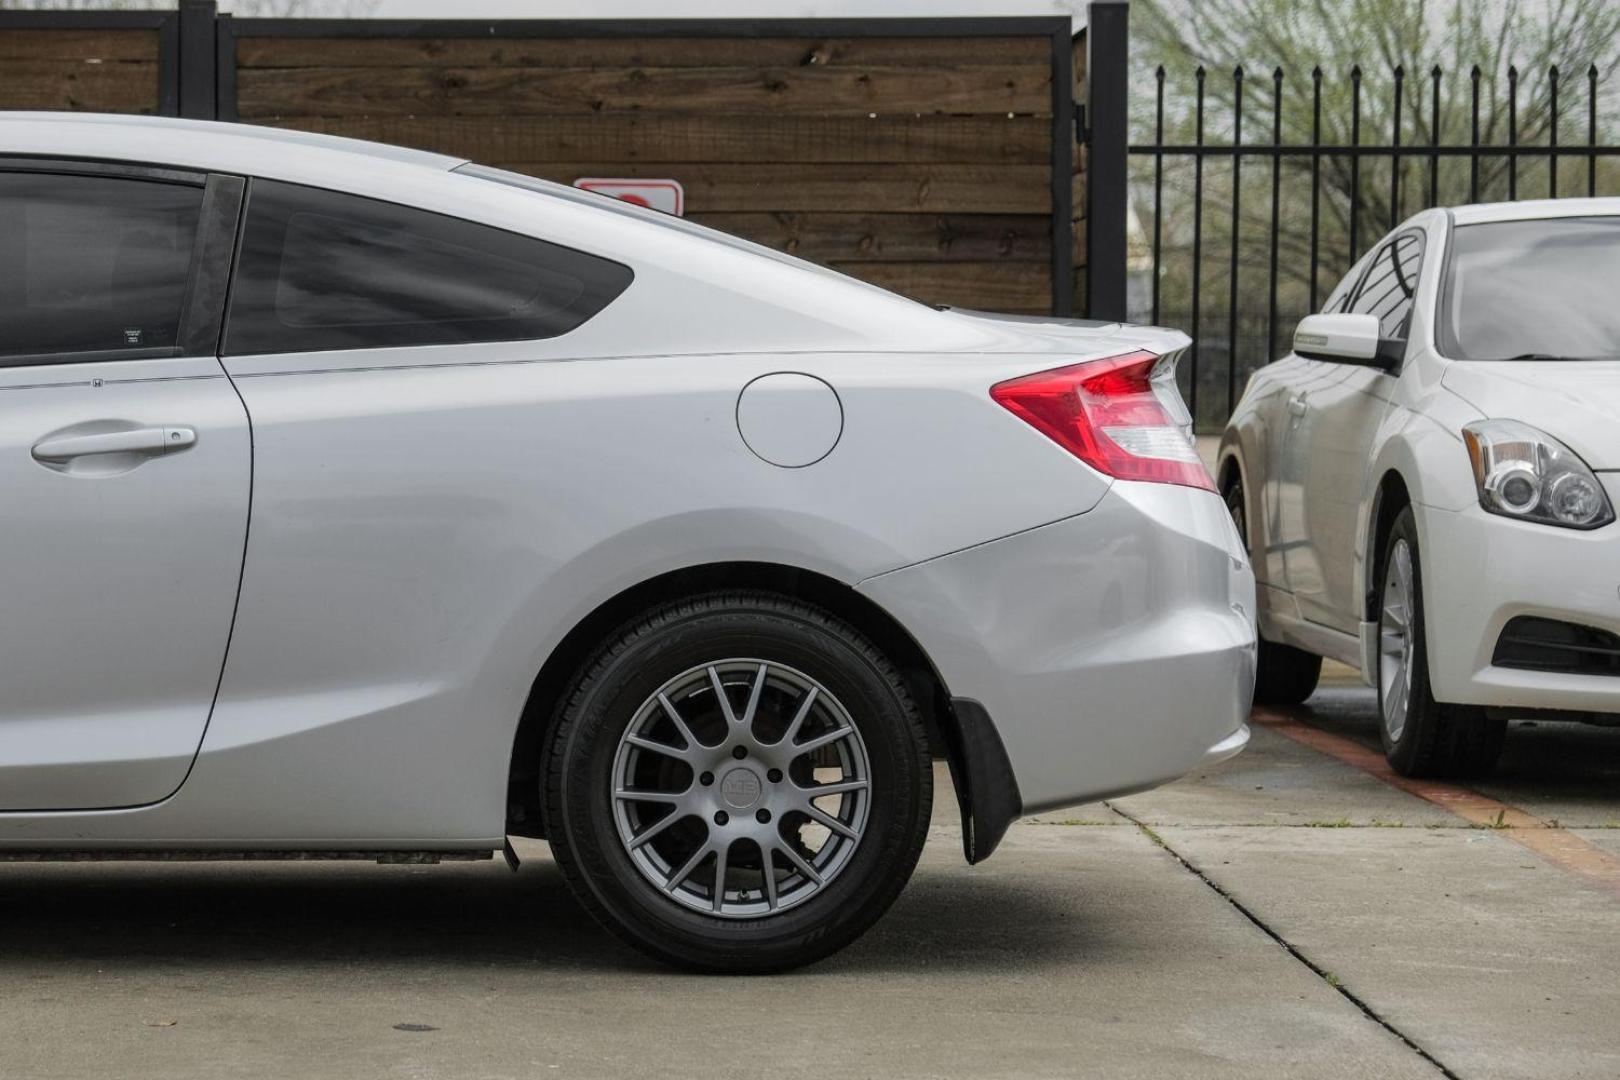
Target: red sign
{"x": 665, "y": 195}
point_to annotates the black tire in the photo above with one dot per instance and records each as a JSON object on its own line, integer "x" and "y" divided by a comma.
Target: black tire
{"x": 625, "y": 673}
{"x": 1283, "y": 674}
{"x": 1437, "y": 739}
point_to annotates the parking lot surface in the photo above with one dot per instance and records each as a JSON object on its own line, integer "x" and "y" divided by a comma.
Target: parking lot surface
{"x": 1295, "y": 912}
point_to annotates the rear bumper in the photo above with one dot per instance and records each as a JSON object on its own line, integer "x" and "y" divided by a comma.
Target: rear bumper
{"x": 1114, "y": 650}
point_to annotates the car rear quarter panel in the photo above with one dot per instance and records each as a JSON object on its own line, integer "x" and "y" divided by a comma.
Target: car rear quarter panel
{"x": 1246, "y": 447}
{"x": 424, "y": 533}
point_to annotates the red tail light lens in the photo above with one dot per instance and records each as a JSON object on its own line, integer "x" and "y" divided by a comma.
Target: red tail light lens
{"x": 1123, "y": 416}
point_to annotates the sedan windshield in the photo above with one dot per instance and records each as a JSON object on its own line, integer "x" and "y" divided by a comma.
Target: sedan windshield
{"x": 1533, "y": 290}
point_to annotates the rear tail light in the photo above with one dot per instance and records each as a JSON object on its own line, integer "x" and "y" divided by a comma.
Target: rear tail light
{"x": 1122, "y": 415}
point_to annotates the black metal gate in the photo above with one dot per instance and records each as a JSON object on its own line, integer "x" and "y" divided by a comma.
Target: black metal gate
{"x": 1248, "y": 251}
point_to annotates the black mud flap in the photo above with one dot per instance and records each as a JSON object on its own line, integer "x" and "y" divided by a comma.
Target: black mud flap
{"x": 986, "y": 790}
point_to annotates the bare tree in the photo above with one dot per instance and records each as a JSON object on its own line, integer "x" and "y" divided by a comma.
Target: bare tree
{"x": 1379, "y": 37}
{"x": 1521, "y": 40}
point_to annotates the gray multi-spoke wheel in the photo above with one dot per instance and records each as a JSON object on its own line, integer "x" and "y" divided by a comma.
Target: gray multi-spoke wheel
{"x": 1421, "y": 736}
{"x": 1395, "y": 641}
{"x": 741, "y": 787}
{"x": 738, "y": 783}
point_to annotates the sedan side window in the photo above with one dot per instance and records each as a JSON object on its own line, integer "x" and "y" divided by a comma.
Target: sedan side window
{"x": 322, "y": 270}
{"x": 1342, "y": 291}
{"x": 92, "y": 267}
{"x": 1391, "y": 285}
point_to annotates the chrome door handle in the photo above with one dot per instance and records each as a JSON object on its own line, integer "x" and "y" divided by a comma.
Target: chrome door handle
{"x": 1297, "y": 406}
{"x": 154, "y": 440}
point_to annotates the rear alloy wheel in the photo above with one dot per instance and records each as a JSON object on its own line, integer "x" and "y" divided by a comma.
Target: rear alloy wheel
{"x": 739, "y": 783}
{"x": 1284, "y": 675}
{"x": 1421, "y": 736}
{"x": 769, "y": 822}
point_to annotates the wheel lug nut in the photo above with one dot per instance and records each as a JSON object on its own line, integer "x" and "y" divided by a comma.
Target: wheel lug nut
{"x": 763, "y": 817}
{"x": 774, "y": 776}
{"x": 739, "y": 752}
{"x": 721, "y": 817}
{"x": 706, "y": 779}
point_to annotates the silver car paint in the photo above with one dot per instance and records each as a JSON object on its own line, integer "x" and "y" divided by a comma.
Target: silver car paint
{"x": 428, "y": 523}
{"x": 118, "y": 600}
{"x": 1098, "y": 625}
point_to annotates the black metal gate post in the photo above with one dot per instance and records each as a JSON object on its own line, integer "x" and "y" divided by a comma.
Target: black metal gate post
{"x": 199, "y": 96}
{"x": 1107, "y": 110}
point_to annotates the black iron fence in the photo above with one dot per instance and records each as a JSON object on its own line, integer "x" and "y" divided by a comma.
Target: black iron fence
{"x": 1236, "y": 234}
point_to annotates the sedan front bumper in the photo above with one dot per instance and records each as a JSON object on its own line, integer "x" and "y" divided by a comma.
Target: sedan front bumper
{"x": 1480, "y": 570}
{"x": 1115, "y": 650}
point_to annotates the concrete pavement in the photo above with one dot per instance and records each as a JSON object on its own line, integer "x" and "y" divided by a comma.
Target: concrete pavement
{"x": 1282, "y": 915}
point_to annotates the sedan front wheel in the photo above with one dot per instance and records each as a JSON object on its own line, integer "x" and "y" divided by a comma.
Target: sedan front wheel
{"x": 1421, "y": 736}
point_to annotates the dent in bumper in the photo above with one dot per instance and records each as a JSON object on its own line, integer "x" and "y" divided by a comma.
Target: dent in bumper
{"x": 1114, "y": 649}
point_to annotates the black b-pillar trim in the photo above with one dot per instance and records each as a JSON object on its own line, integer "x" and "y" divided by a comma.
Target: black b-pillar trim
{"x": 986, "y": 789}
{"x": 203, "y": 315}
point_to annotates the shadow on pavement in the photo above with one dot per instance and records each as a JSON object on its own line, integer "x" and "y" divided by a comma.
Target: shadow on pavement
{"x": 455, "y": 916}
{"x": 1570, "y": 763}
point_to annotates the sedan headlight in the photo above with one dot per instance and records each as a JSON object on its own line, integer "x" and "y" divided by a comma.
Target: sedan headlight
{"x": 1527, "y": 474}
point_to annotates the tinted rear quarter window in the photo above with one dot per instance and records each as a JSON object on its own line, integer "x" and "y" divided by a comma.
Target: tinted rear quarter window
{"x": 93, "y": 264}
{"x": 321, "y": 270}
{"x": 1391, "y": 284}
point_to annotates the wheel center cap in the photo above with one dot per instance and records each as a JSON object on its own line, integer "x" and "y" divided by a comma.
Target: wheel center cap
{"x": 740, "y": 788}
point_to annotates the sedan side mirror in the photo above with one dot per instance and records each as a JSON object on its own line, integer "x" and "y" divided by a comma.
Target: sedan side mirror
{"x": 1347, "y": 339}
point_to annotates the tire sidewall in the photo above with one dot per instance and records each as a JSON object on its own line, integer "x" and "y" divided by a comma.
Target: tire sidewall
{"x": 605, "y": 706}
{"x": 1284, "y": 675}
{"x": 1404, "y": 752}
{"x": 1236, "y": 498}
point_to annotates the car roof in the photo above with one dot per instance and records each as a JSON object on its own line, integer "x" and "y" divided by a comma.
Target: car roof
{"x": 172, "y": 141}
{"x": 756, "y": 298}
{"x": 1533, "y": 209}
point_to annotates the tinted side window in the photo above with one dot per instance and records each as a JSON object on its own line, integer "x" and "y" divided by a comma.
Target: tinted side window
{"x": 321, "y": 270}
{"x": 93, "y": 263}
{"x": 1391, "y": 284}
{"x": 1341, "y": 292}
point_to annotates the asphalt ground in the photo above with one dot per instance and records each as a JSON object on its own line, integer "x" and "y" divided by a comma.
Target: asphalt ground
{"x": 1295, "y": 912}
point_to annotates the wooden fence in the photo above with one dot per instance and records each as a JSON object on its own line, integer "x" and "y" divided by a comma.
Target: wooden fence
{"x": 931, "y": 156}
{"x": 105, "y": 62}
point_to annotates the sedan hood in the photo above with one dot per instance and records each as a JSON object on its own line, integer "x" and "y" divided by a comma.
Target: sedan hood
{"x": 1576, "y": 402}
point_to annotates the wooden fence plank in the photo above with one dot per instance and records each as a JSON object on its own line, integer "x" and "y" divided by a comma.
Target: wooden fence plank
{"x": 505, "y": 91}
{"x": 633, "y": 138}
{"x": 903, "y": 189}
{"x": 864, "y": 237}
{"x": 123, "y": 86}
{"x": 599, "y": 52}
{"x": 1002, "y": 286}
{"x": 78, "y": 45}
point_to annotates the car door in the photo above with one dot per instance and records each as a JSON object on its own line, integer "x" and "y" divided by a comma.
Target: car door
{"x": 1287, "y": 562}
{"x": 1330, "y": 446}
{"x": 124, "y": 470}
{"x": 1287, "y": 474}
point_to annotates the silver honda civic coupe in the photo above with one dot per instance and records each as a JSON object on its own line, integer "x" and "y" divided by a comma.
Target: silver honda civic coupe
{"x": 364, "y": 502}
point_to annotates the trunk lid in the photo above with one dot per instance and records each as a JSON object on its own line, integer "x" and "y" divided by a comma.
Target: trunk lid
{"x": 1039, "y": 335}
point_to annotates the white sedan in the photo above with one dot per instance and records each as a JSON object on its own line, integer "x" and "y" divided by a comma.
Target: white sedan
{"x": 1427, "y": 482}
{"x": 364, "y": 502}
